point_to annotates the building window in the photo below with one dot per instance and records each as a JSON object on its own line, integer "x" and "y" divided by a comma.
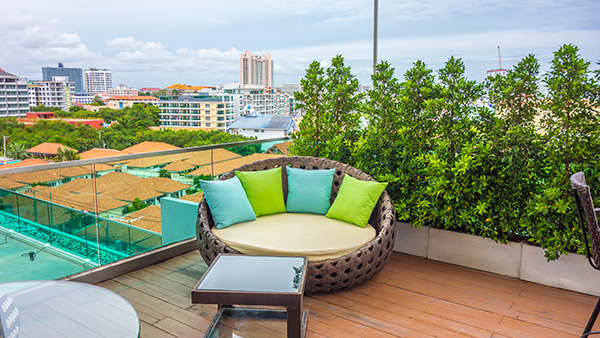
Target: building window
{"x": 208, "y": 124}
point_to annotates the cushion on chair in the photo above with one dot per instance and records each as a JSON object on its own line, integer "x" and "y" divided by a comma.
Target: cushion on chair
{"x": 294, "y": 234}
{"x": 356, "y": 200}
{"x": 264, "y": 190}
{"x": 309, "y": 190}
{"x": 221, "y": 196}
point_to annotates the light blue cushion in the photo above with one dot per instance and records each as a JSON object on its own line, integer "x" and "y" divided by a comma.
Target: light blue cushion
{"x": 227, "y": 202}
{"x": 309, "y": 190}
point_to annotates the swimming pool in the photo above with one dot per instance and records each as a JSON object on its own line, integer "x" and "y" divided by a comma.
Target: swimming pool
{"x": 23, "y": 258}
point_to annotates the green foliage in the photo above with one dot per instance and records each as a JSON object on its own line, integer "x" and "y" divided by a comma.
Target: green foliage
{"x": 17, "y": 151}
{"x": 136, "y": 205}
{"x": 42, "y": 108}
{"x": 330, "y": 102}
{"x": 499, "y": 170}
{"x": 98, "y": 101}
{"x": 65, "y": 154}
{"x": 133, "y": 128}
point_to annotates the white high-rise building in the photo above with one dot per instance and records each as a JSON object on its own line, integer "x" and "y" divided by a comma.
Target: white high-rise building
{"x": 55, "y": 93}
{"x": 97, "y": 80}
{"x": 13, "y": 95}
{"x": 256, "y": 70}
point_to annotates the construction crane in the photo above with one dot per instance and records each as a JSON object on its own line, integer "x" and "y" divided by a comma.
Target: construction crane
{"x": 500, "y": 71}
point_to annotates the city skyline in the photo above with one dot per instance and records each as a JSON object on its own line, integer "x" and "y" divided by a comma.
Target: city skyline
{"x": 155, "y": 45}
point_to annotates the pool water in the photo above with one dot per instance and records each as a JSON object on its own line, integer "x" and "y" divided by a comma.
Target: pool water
{"x": 48, "y": 262}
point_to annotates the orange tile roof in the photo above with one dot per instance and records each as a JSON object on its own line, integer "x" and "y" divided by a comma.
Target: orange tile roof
{"x": 226, "y": 166}
{"x": 48, "y": 148}
{"x": 148, "y": 218}
{"x": 163, "y": 184}
{"x": 140, "y": 98}
{"x": 148, "y": 146}
{"x": 193, "y": 198}
{"x": 78, "y": 201}
{"x": 204, "y": 157}
{"x": 24, "y": 163}
{"x": 130, "y": 192}
{"x": 34, "y": 176}
{"x": 280, "y": 148}
{"x": 188, "y": 87}
{"x": 178, "y": 166}
{"x": 153, "y": 161}
{"x": 98, "y": 152}
{"x": 8, "y": 184}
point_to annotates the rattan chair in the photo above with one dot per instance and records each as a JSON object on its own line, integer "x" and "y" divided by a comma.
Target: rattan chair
{"x": 330, "y": 275}
{"x": 587, "y": 214}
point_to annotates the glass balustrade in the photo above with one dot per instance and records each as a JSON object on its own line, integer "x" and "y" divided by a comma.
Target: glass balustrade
{"x": 63, "y": 218}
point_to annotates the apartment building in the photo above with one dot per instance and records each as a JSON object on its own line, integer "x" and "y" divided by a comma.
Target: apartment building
{"x": 269, "y": 102}
{"x": 204, "y": 111}
{"x": 75, "y": 76}
{"x": 13, "y": 95}
{"x": 97, "y": 80}
{"x": 256, "y": 69}
{"x": 55, "y": 93}
{"x": 122, "y": 90}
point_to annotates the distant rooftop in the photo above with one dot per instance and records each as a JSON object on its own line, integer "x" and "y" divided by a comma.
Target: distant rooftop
{"x": 264, "y": 122}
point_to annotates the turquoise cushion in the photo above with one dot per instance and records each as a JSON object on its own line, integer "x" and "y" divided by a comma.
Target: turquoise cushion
{"x": 309, "y": 190}
{"x": 355, "y": 201}
{"x": 264, "y": 190}
{"x": 227, "y": 202}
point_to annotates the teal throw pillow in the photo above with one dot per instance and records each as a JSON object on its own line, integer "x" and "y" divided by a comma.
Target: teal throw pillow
{"x": 227, "y": 202}
{"x": 264, "y": 190}
{"x": 309, "y": 190}
{"x": 355, "y": 201}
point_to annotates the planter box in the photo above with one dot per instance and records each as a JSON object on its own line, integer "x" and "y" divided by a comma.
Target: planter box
{"x": 412, "y": 241}
{"x": 570, "y": 272}
{"x": 474, "y": 252}
{"x": 519, "y": 260}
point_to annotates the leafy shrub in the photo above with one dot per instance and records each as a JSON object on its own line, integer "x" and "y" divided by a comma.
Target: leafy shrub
{"x": 490, "y": 159}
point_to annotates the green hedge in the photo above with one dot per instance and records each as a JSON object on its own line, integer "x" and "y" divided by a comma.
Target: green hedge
{"x": 491, "y": 159}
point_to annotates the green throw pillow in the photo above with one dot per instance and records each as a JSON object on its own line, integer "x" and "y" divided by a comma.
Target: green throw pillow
{"x": 227, "y": 202}
{"x": 264, "y": 190}
{"x": 309, "y": 190}
{"x": 355, "y": 201}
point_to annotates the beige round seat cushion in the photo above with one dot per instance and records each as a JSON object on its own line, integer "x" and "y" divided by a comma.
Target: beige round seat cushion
{"x": 293, "y": 234}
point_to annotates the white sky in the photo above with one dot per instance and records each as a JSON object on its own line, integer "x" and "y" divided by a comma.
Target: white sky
{"x": 157, "y": 44}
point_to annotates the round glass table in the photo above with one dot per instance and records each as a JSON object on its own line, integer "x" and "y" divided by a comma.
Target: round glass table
{"x": 64, "y": 309}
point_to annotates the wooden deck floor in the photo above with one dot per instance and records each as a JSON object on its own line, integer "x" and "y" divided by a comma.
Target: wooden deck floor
{"x": 411, "y": 297}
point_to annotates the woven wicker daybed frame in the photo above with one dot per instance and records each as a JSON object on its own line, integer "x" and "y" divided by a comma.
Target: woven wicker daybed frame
{"x": 330, "y": 275}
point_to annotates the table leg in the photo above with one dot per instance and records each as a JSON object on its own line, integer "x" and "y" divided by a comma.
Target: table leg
{"x": 294, "y": 322}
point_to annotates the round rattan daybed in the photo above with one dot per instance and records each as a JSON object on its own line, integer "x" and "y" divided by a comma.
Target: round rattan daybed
{"x": 329, "y": 275}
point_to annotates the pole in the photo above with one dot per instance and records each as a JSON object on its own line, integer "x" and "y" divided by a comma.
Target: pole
{"x": 4, "y": 141}
{"x": 375, "y": 35}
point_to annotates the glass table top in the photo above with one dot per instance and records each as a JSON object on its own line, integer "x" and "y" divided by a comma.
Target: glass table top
{"x": 254, "y": 274}
{"x": 65, "y": 309}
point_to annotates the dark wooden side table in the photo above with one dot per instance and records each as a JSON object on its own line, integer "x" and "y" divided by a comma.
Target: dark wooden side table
{"x": 254, "y": 280}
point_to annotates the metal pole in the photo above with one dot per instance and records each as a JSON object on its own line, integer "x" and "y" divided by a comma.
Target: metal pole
{"x": 96, "y": 212}
{"x": 375, "y": 35}
{"x": 4, "y": 141}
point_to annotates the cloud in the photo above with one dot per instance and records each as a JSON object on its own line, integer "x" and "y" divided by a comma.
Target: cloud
{"x": 125, "y": 43}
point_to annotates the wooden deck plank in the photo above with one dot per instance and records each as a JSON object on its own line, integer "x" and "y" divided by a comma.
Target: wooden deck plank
{"x": 411, "y": 297}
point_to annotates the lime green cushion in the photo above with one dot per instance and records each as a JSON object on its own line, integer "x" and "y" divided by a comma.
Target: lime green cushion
{"x": 264, "y": 190}
{"x": 227, "y": 202}
{"x": 355, "y": 201}
{"x": 309, "y": 190}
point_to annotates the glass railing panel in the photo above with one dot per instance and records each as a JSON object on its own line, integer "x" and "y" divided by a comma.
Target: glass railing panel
{"x": 58, "y": 209}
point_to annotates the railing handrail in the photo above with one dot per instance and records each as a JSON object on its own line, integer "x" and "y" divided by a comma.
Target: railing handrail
{"x": 120, "y": 158}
